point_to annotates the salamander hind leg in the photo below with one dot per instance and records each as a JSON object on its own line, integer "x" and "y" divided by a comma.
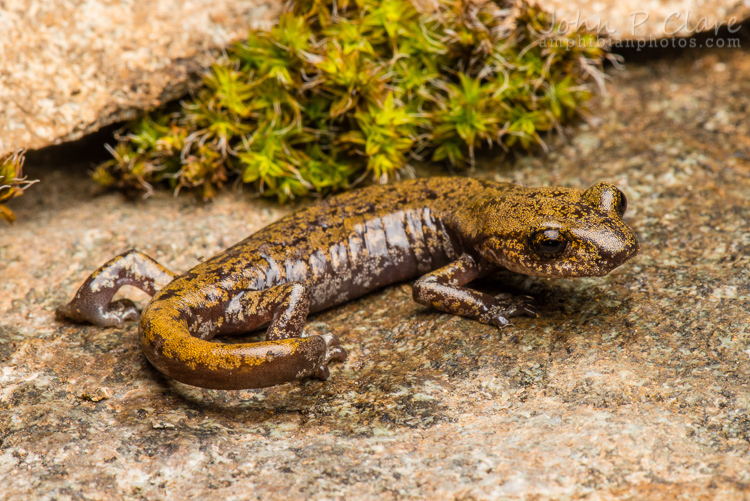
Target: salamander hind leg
{"x": 284, "y": 356}
{"x": 93, "y": 301}
{"x": 291, "y": 304}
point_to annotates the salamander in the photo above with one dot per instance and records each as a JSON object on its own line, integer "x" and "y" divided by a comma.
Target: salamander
{"x": 443, "y": 232}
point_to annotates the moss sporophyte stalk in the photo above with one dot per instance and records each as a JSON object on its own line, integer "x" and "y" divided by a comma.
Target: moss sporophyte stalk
{"x": 342, "y": 89}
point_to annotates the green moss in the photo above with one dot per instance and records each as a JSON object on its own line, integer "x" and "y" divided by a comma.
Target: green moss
{"x": 12, "y": 182}
{"x": 339, "y": 89}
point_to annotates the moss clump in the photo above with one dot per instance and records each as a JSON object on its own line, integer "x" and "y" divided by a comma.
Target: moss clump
{"x": 345, "y": 88}
{"x": 12, "y": 182}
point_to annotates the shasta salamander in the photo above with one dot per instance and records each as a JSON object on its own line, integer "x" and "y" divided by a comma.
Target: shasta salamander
{"x": 445, "y": 232}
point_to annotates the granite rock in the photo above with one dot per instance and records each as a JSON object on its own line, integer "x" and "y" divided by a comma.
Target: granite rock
{"x": 70, "y": 67}
{"x": 631, "y": 386}
{"x": 647, "y": 20}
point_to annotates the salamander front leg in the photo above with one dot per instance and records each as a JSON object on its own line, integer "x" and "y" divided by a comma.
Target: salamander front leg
{"x": 442, "y": 289}
{"x": 93, "y": 301}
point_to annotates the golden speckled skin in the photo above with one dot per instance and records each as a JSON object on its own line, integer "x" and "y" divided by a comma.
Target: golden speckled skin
{"x": 448, "y": 231}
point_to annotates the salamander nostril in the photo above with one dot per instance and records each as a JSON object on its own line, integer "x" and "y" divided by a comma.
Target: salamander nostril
{"x": 618, "y": 254}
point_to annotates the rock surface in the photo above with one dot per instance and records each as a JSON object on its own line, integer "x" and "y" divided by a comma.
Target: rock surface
{"x": 70, "y": 67}
{"x": 635, "y": 385}
{"x": 648, "y": 20}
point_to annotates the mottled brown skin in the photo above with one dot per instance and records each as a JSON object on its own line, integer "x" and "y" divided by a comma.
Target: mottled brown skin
{"x": 447, "y": 231}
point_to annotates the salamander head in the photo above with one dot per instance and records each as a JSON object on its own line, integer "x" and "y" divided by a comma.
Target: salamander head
{"x": 553, "y": 232}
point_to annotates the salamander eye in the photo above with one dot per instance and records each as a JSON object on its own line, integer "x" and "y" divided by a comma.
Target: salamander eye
{"x": 548, "y": 244}
{"x": 622, "y": 203}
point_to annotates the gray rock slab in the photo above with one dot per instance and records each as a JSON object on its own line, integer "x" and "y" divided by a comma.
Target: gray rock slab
{"x": 634, "y": 385}
{"x": 70, "y": 67}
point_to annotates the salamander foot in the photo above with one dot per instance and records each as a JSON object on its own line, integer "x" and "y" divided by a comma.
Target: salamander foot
{"x": 116, "y": 315}
{"x": 333, "y": 352}
{"x": 507, "y": 306}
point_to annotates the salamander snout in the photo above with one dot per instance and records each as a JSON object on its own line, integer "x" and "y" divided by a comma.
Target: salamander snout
{"x": 608, "y": 248}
